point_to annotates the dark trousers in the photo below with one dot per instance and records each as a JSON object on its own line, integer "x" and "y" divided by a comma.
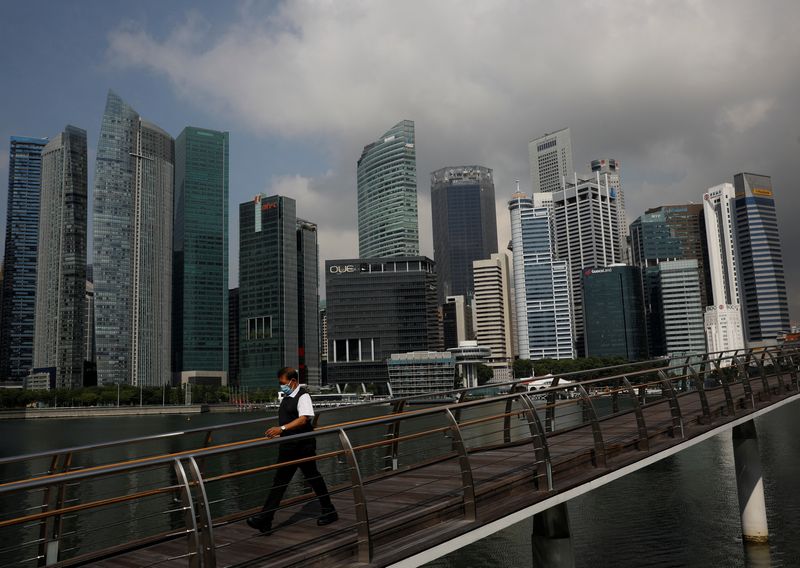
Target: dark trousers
{"x": 290, "y": 451}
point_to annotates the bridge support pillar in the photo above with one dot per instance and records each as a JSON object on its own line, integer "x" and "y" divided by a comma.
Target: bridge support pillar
{"x": 750, "y": 483}
{"x": 550, "y": 540}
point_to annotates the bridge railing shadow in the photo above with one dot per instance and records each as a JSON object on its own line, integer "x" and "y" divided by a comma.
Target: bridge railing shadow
{"x": 390, "y": 475}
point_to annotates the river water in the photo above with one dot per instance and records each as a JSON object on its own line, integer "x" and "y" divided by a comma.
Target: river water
{"x": 681, "y": 511}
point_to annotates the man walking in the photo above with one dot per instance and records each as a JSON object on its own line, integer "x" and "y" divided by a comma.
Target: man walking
{"x": 295, "y": 416}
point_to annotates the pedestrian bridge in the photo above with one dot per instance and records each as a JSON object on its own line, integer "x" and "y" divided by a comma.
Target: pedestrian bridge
{"x": 411, "y": 482}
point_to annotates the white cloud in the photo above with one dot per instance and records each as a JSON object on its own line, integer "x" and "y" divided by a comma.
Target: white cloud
{"x": 659, "y": 85}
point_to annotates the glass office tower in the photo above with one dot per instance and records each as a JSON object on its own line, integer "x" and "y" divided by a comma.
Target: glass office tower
{"x": 133, "y": 202}
{"x": 387, "y": 195}
{"x": 19, "y": 261}
{"x": 464, "y": 226}
{"x": 200, "y": 253}
{"x": 59, "y": 335}
{"x": 762, "y": 281}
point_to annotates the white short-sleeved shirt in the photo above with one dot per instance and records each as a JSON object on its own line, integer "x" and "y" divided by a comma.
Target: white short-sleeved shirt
{"x": 304, "y": 406}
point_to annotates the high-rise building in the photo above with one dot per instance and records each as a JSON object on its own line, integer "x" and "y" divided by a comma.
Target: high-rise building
{"x": 456, "y": 321}
{"x": 308, "y": 303}
{"x": 19, "y": 261}
{"x": 678, "y": 299}
{"x": 90, "y": 354}
{"x": 377, "y": 307}
{"x": 132, "y": 260}
{"x": 233, "y": 336}
{"x": 421, "y": 372}
{"x": 200, "y": 255}
{"x": 275, "y": 277}
{"x": 614, "y": 312}
{"x": 323, "y": 330}
{"x": 670, "y": 232}
{"x": 586, "y": 235}
{"x": 491, "y": 307}
{"x": 609, "y": 169}
{"x": 387, "y": 195}
{"x": 723, "y": 319}
{"x": 59, "y": 336}
{"x": 464, "y": 225}
{"x": 550, "y": 160}
{"x": 762, "y": 282}
{"x": 541, "y": 285}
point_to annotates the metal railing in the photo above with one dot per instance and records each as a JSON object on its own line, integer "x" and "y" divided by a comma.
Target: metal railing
{"x": 453, "y": 452}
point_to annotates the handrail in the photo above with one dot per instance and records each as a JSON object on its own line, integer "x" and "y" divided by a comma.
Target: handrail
{"x": 682, "y": 384}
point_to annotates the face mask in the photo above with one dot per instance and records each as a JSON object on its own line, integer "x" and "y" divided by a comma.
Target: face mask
{"x": 286, "y": 389}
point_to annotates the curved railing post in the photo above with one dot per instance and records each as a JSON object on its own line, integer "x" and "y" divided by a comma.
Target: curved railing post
{"x": 644, "y": 439}
{"x": 467, "y": 482}
{"x": 189, "y": 515}
{"x": 365, "y": 550}
{"x": 793, "y": 370}
{"x": 540, "y": 447}
{"x": 550, "y": 408}
{"x": 209, "y": 554}
{"x": 699, "y": 385}
{"x": 675, "y": 408}
{"x": 393, "y": 431}
{"x": 741, "y": 369}
{"x": 759, "y": 359}
{"x": 776, "y": 371}
{"x": 726, "y": 388}
{"x": 597, "y": 433}
{"x": 507, "y": 421}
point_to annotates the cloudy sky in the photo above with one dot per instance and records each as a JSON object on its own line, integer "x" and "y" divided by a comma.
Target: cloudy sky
{"x": 684, "y": 93}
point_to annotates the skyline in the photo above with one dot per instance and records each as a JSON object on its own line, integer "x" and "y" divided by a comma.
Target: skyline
{"x": 734, "y": 111}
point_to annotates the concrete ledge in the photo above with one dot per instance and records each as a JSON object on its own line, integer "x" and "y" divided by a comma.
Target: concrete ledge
{"x": 101, "y": 411}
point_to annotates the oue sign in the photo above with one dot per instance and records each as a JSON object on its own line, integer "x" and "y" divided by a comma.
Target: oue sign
{"x": 342, "y": 269}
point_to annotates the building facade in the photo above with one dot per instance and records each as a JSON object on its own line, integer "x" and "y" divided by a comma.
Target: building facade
{"x": 308, "y": 303}
{"x": 19, "y": 260}
{"x": 274, "y": 278}
{"x": 132, "y": 259}
{"x": 387, "y": 195}
{"x": 200, "y": 254}
{"x": 610, "y": 169}
{"x": 550, "y": 160}
{"x": 464, "y": 225}
{"x": 678, "y": 299}
{"x": 90, "y": 355}
{"x": 421, "y": 372}
{"x": 377, "y": 307}
{"x": 614, "y": 312}
{"x": 59, "y": 331}
{"x": 723, "y": 319}
{"x": 585, "y": 235}
{"x": 762, "y": 281}
{"x": 541, "y": 285}
{"x": 492, "y": 312}
{"x": 456, "y": 321}
{"x": 233, "y": 336}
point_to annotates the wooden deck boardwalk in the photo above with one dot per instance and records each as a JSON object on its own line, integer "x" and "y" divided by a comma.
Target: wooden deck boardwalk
{"x": 424, "y": 506}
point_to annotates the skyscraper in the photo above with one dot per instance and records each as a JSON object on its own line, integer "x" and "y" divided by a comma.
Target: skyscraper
{"x": 550, "y": 160}
{"x": 609, "y": 169}
{"x": 586, "y": 235}
{"x": 614, "y": 312}
{"x": 377, "y": 307}
{"x": 669, "y": 232}
{"x": 541, "y": 284}
{"x": 19, "y": 262}
{"x": 59, "y": 339}
{"x": 387, "y": 195}
{"x": 464, "y": 226}
{"x": 491, "y": 306}
{"x": 678, "y": 299}
{"x": 278, "y": 297}
{"x": 200, "y": 254}
{"x": 456, "y": 321}
{"x": 722, "y": 318}
{"x": 233, "y": 336}
{"x": 133, "y": 203}
{"x": 762, "y": 283}
{"x": 308, "y": 302}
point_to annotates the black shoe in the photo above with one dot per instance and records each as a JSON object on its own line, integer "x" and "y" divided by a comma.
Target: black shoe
{"x": 259, "y": 524}
{"x": 328, "y": 517}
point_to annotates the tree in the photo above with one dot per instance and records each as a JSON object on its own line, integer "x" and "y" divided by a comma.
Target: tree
{"x": 485, "y": 374}
{"x": 522, "y": 368}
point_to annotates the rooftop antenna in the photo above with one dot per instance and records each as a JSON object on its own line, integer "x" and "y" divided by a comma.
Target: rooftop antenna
{"x": 516, "y": 180}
